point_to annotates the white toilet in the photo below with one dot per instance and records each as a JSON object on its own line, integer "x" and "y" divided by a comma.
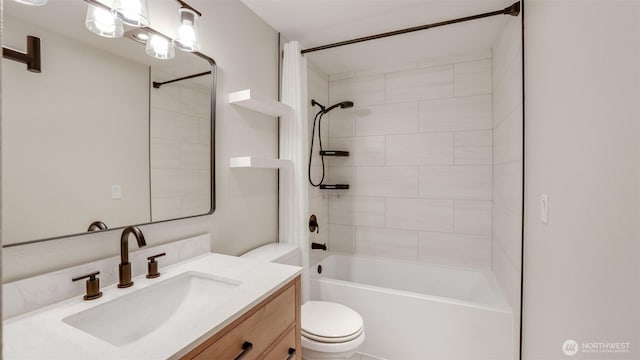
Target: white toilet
{"x": 329, "y": 330}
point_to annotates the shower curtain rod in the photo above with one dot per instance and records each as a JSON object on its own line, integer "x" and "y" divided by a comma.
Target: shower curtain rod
{"x": 157, "y": 85}
{"x": 513, "y": 10}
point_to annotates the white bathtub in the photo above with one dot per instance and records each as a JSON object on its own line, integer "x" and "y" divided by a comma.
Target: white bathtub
{"x": 419, "y": 312}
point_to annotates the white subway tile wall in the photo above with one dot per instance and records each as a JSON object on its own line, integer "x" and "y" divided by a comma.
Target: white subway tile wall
{"x": 374, "y": 120}
{"x": 364, "y": 151}
{"x": 420, "y": 149}
{"x": 381, "y": 242}
{"x": 473, "y": 147}
{"x": 420, "y": 138}
{"x": 414, "y": 85}
{"x": 365, "y": 91}
{"x": 180, "y": 155}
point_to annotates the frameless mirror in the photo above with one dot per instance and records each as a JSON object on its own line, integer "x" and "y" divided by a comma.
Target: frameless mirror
{"x": 104, "y": 133}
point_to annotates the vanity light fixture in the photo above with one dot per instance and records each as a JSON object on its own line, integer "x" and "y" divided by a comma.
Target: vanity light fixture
{"x": 131, "y": 12}
{"x": 109, "y": 22}
{"x": 160, "y": 47}
{"x": 188, "y": 38}
{"x": 100, "y": 21}
{"x": 32, "y": 2}
{"x": 142, "y": 37}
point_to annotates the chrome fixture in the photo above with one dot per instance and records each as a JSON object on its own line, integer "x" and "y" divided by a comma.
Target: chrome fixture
{"x": 152, "y": 266}
{"x": 124, "y": 269}
{"x": 93, "y": 285}
{"x": 97, "y": 226}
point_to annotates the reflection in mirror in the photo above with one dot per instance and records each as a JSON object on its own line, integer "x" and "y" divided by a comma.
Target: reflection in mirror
{"x": 90, "y": 139}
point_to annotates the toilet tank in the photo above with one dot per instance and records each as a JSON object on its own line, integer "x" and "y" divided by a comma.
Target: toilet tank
{"x": 280, "y": 253}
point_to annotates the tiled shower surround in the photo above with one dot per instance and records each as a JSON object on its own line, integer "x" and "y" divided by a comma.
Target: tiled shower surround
{"x": 420, "y": 164}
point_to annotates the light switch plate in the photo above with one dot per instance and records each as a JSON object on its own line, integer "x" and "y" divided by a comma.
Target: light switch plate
{"x": 116, "y": 192}
{"x": 544, "y": 208}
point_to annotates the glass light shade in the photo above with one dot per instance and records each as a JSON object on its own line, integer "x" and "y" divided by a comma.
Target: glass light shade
{"x": 188, "y": 39}
{"x": 160, "y": 47}
{"x": 32, "y": 2}
{"x": 132, "y": 12}
{"x": 102, "y": 22}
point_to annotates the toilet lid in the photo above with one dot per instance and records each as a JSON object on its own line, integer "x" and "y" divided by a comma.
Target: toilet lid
{"x": 330, "y": 322}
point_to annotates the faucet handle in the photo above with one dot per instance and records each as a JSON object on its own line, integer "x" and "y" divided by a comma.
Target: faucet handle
{"x": 313, "y": 224}
{"x": 93, "y": 285}
{"x": 152, "y": 266}
{"x": 97, "y": 226}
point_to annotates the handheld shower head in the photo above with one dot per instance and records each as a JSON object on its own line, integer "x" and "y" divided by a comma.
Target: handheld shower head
{"x": 342, "y": 105}
{"x": 346, "y": 104}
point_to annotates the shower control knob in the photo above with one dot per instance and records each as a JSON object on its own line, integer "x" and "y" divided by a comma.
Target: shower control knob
{"x": 313, "y": 224}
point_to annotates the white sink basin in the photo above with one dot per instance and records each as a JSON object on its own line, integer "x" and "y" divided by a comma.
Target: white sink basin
{"x": 130, "y": 317}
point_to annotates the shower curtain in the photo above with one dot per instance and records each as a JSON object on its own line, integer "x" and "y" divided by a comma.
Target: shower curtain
{"x": 294, "y": 200}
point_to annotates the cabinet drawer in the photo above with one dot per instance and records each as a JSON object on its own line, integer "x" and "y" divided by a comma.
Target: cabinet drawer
{"x": 281, "y": 350}
{"x": 263, "y": 327}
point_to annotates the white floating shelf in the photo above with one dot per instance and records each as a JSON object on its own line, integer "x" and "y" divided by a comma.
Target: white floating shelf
{"x": 253, "y": 101}
{"x": 258, "y": 163}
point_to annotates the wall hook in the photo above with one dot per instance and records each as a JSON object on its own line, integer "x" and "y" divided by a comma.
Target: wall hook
{"x": 31, "y": 57}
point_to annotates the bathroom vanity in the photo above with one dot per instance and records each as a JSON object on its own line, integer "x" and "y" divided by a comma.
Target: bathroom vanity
{"x": 270, "y": 330}
{"x": 209, "y": 307}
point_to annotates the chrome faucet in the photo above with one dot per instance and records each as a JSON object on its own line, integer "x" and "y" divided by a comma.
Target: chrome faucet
{"x": 124, "y": 268}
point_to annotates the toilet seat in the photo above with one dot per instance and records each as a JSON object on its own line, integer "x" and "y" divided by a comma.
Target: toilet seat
{"x": 329, "y": 322}
{"x": 332, "y": 340}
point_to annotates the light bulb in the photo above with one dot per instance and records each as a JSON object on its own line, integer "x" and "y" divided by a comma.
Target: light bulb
{"x": 131, "y": 12}
{"x": 102, "y": 22}
{"x": 188, "y": 39}
{"x": 160, "y": 47}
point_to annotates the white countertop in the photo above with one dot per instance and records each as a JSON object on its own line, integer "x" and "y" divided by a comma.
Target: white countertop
{"x": 42, "y": 334}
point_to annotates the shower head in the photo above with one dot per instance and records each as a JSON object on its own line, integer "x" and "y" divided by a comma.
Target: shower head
{"x": 342, "y": 105}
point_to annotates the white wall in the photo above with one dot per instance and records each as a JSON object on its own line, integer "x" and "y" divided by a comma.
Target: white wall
{"x": 581, "y": 121}
{"x": 245, "y": 49}
{"x": 507, "y": 165}
{"x": 420, "y": 161}
{"x": 51, "y": 193}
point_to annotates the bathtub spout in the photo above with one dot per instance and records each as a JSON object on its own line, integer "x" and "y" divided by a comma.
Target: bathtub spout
{"x": 316, "y": 246}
